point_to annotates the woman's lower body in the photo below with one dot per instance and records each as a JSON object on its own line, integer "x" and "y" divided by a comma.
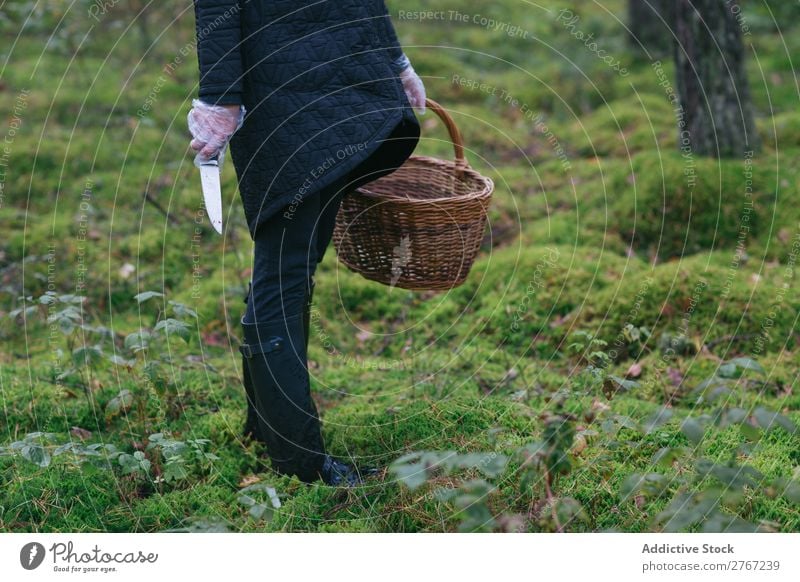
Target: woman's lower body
{"x": 288, "y": 247}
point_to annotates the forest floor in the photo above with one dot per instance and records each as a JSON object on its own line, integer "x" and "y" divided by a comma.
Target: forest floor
{"x": 623, "y": 357}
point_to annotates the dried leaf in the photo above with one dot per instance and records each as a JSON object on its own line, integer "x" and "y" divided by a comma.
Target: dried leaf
{"x": 249, "y": 480}
{"x": 675, "y": 376}
{"x": 634, "y": 371}
{"x": 80, "y": 433}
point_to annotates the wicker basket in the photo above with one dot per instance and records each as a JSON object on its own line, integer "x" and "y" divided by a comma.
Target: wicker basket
{"x": 420, "y": 227}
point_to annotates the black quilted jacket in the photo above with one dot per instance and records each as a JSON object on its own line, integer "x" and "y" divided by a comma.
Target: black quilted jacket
{"x": 319, "y": 80}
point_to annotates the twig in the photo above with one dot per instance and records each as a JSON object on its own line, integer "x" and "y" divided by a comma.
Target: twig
{"x": 551, "y": 500}
{"x": 171, "y": 217}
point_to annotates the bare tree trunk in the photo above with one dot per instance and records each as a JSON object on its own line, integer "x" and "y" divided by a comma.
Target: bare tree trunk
{"x": 711, "y": 79}
{"x": 651, "y": 26}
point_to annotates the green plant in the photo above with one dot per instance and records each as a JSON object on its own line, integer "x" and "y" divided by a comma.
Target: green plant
{"x": 66, "y": 313}
{"x": 174, "y": 460}
{"x": 591, "y": 353}
{"x": 470, "y": 497}
{"x": 149, "y": 354}
{"x": 710, "y": 495}
{"x": 540, "y": 464}
{"x": 543, "y": 461}
{"x": 260, "y": 499}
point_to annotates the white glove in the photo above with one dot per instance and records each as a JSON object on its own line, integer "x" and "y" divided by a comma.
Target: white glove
{"x": 212, "y": 127}
{"x": 415, "y": 90}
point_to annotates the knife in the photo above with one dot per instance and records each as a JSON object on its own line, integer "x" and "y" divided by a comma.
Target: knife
{"x": 212, "y": 193}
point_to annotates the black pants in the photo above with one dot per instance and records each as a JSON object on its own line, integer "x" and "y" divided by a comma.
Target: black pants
{"x": 290, "y": 244}
{"x": 288, "y": 248}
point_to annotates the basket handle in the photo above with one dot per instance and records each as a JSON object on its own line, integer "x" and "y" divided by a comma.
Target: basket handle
{"x": 452, "y": 129}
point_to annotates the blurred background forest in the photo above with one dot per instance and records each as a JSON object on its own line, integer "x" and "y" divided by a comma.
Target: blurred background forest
{"x": 624, "y": 355}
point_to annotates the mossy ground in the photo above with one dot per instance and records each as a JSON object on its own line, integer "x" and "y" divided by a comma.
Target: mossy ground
{"x": 592, "y": 227}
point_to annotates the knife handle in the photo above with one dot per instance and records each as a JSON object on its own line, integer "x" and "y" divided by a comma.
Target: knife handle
{"x": 209, "y": 162}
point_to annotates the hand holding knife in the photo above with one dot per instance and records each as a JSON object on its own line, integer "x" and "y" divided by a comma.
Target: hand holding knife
{"x": 212, "y": 192}
{"x": 212, "y": 127}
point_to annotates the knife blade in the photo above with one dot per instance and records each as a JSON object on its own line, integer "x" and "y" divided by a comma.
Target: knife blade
{"x": 212, "y": 193}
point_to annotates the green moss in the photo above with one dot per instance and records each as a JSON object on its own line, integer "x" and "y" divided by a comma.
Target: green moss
{"x": 591, "y": 202}
{"x": 625, "y": 127}
{"x": 61, "y": 498}
{"x": 707, "y": 297}
{"x": 672, "y": 206}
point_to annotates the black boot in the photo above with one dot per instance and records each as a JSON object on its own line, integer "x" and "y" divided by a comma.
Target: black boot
{"x": 289, "y": 420}
{"x": 251, "y": 429}
{"x": 335, "y": 472}
{"x": 289, "y": 424}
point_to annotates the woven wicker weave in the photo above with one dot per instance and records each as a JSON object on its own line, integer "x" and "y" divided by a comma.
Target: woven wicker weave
{"x": 420, "y": 227}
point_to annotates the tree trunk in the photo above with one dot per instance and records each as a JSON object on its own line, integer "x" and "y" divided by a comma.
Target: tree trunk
{"x": 712, "y": 86}
{"x": 651, "y": 23}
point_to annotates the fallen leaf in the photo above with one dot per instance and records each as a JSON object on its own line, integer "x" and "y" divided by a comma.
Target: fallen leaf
{"x": 600, "y": 406}
{"x": 580, "y": 444}
{"x": 126, "y": 270}
{"x": 249, "y": 480}
{"x": 634, "y": 371}
{"x": 80, "y": 433}
{"x": 215, "y": 339}
{"x": 675, "y": 376}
